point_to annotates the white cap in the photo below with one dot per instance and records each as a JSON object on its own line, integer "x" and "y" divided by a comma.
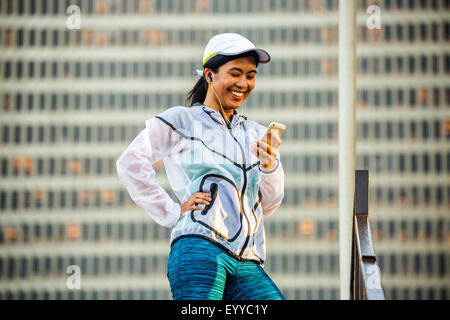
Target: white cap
{"x": 230, "y": 44}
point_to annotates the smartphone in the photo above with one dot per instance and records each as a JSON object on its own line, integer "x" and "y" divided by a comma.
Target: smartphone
{"x": 273, "y": 127}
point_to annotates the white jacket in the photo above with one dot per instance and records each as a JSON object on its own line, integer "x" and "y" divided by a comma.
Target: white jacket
{"x": 201, "y": 153}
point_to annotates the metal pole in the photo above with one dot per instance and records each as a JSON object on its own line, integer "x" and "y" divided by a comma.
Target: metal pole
{"x": 347, "y": 144}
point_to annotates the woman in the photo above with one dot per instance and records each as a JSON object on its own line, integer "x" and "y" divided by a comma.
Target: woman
{"x": 225, "y": 177}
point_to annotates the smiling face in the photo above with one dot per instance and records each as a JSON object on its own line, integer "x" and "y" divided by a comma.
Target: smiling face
{"x": 232, "y": 83}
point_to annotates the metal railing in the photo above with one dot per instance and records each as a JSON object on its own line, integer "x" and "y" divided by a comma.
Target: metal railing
{"x": 365, "y": 273}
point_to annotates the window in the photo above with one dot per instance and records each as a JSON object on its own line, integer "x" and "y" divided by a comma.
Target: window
{"x": 411, "y": 64}
{"x": 412, "y": 97}
{"x": 399, "y": 29}
{"x": 387, "y": 33}
{"x": 411, "y": 32}
{"x": 438, "y": 162}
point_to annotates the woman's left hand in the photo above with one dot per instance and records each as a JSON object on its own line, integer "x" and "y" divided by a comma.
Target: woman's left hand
{"x": 267, "y": 152}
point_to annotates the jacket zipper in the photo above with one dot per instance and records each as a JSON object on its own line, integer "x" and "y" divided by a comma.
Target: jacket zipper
{"x": 247, "y": 239}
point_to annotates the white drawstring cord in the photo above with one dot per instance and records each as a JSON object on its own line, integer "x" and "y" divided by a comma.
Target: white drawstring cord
{"x": 220, "y": 103}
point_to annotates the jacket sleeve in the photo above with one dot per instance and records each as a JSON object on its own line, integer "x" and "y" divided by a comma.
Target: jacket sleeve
{"x": 271, "y": 188}
{"x": 135, "y": 170}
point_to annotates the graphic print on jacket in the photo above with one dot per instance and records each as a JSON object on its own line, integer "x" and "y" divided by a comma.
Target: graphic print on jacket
{"x": 214, "y": 216}
{"x": 201, "y": 153}
{"x": 214, "y": 161}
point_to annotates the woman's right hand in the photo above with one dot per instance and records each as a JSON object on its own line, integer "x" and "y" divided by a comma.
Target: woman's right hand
{"x": 194, "y": 200}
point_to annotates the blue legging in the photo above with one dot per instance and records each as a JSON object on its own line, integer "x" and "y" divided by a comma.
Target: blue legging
{"x": 200, "y": 270}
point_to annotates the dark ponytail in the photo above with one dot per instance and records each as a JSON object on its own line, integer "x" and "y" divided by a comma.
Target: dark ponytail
{"x": 198, "y": 93}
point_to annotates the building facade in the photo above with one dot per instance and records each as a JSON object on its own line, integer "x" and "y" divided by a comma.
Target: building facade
{"x": 72, "y": 99}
